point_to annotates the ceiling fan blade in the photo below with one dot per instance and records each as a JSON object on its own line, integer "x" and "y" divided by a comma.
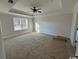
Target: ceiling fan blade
{"x": 38, "y": 8}
{"x": 31, "y": 8}
{"x": 39, "y": 11}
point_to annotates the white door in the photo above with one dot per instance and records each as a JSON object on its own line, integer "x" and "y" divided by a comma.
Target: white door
{"x": 2, "y": 52}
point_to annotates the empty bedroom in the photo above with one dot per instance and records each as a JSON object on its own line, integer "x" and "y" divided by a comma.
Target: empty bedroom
{"x": 38, "y": 29}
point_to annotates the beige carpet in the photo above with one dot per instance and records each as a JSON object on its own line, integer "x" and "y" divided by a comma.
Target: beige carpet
{"x": 35, "y": 46}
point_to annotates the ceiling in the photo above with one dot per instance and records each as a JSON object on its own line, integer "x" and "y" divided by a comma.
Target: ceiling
{"x": 47, "y": 6}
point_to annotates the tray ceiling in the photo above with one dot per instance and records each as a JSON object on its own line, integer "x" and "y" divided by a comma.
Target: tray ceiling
{"x": 47, "y": 6}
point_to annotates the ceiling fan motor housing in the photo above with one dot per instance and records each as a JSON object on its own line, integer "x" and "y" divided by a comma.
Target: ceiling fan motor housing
{"x": 35, "y": 10}
{"x": 10, "y": 1}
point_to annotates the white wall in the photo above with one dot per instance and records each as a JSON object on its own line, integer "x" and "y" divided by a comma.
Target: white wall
{"x": 8, "y": 28}
{"x": 55, "y": 24}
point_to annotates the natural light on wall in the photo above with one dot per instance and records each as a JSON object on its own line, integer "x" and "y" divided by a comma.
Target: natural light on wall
{"x": 37, "y": 27}
{"x": 20, "y": 23}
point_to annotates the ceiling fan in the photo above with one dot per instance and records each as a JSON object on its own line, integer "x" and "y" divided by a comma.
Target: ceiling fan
{"x": 36, "y": 10}
{"x": 10, "y": 1}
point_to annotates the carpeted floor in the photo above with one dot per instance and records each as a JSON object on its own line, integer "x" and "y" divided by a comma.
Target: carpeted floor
{"x": 35, "y": 46}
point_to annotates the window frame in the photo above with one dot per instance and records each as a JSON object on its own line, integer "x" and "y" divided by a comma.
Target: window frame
{"x": 27, "y": 24}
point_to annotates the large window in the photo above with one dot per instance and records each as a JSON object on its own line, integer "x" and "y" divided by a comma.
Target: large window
{"x": 20, "y": 23}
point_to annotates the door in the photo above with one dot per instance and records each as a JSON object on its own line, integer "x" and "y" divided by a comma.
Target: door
{"x": 2, "y": 51}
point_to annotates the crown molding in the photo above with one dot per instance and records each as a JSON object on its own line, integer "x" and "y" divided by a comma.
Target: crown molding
{"x": 55, "y": 13}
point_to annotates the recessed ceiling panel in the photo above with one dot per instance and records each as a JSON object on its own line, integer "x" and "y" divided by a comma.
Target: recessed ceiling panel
{"x": 47, "y": 6}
